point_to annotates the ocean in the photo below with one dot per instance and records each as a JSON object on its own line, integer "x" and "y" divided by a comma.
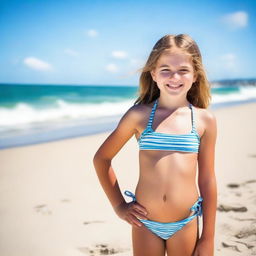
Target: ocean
{"x": 32, "y": 113}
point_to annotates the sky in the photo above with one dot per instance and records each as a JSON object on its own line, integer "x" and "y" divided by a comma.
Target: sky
{"x": 107, "y": 42}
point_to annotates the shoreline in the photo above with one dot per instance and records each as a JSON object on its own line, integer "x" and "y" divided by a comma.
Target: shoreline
{"x": 81, "y": 129}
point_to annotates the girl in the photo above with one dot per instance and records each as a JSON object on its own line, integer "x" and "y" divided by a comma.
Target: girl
{"x": 175, "y": 132}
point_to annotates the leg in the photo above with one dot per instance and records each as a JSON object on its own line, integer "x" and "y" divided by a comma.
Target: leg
{"x": 183, "y": 242}
{"x": 145, "y": 243}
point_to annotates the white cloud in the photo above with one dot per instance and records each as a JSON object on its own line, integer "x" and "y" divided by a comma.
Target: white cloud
{"x": 112, "y": 68}
{"x": 37, "y": 64}
{"x": 71, "y": 52}
{"x": 236, "y": 19}
{"x": 119, "y": 54}
{"x": 92, "y": 33}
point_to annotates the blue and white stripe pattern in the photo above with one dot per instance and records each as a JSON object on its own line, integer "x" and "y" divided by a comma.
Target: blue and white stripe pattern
{"x": 151, "y": 140}
{"x": 166, "y": 229}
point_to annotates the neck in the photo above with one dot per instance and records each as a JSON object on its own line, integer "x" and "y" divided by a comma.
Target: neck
{"x": 172, "y": 103}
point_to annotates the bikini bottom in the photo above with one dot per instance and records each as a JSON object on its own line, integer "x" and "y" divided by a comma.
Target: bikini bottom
{"x": 166, "y": 229}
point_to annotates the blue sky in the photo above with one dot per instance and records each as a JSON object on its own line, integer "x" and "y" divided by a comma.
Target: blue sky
{"x": 105, "y": 42}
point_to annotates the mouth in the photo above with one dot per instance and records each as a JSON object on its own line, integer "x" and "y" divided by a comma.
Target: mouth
{"x": 174, "y": 87}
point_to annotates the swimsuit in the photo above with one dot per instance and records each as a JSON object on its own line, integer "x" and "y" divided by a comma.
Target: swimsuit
{"x": 166, "y": 229}
{"x": 151, "y": 140}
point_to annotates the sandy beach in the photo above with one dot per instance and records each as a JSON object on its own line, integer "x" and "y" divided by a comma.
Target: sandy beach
{"x": 52, "y": 203}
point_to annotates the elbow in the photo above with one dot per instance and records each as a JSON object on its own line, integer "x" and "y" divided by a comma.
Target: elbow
{"x": 97, "y": 163}
{"x": 99, "y": 158}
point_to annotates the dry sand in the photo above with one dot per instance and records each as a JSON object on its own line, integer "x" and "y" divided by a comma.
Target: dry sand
{"x": 52, "y": 203}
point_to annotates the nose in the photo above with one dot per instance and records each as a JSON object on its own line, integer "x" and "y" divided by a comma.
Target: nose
{"x": 174, "y": 75}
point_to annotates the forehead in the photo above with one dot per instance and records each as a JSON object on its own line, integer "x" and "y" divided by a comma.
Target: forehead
{"x": 175, "y": 59}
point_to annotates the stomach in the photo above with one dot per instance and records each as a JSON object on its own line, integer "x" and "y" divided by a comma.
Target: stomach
{"x": 167, "y": 185}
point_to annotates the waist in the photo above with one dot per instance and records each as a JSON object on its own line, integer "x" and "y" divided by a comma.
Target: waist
{"x": 167, "y": 204}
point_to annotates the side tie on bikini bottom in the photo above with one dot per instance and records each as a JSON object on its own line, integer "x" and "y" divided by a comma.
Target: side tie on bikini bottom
{"x": 166, "y": 229}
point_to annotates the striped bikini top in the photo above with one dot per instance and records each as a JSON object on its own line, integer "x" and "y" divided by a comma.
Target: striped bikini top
{"x": 151, "y": 140}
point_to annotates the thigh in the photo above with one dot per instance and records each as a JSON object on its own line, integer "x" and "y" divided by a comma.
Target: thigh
{"x": 145, "y": 243}
{"x": 183, "y": 242}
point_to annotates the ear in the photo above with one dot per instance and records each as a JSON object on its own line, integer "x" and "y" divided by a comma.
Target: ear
{"x": 152, "y": 72}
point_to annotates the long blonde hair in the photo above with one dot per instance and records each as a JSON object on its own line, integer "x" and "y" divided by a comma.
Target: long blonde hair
{"x": 198, "y": 95}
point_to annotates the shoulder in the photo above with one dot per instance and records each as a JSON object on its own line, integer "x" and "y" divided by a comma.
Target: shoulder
{"x": 135, "y": 115}
{"x": 206, "y": 115}
{"x": 207, "y": 118}
{"x": 137, "y": 112}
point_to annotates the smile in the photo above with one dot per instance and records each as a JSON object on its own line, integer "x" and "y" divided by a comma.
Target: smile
{"x": 174, "y": 87}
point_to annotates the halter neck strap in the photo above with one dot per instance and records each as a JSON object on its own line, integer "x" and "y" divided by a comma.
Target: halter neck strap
{"x": 152, "y": 114}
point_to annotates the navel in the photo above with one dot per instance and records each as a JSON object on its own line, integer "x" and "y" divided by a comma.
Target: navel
{"x": 164, "y": 198}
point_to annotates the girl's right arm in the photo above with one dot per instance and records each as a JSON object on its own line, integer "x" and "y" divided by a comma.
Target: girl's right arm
{"x": 125, "y": 129}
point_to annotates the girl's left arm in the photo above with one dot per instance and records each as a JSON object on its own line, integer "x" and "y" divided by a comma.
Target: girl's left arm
{"x": 206, "y": 177}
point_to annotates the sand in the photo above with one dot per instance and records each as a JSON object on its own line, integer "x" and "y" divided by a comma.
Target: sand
{"x": 52, "y": 203}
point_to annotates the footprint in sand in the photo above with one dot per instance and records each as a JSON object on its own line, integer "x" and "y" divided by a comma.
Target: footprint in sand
{"x": 100, "y": 249}
{"x": 233, "y": 185}
{"x": 227, "y": 208}
{"x": 252, "y": 155}
{"x": 253, "y": 220}
{"x": 246, "y": 232}
{"x": 233, "y": 247}
{"x": 248, "y": 182}
{"x": 236, "y": 185}
{"x": 94, "y": 221}
{"x": 43, "y": 209}
{"x": 65, "y": 200}
{"x": 249, "y": 246}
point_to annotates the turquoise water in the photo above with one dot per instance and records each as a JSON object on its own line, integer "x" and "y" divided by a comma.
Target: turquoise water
{"x": 59, "y": 111}
{"x": 46, "y": 95}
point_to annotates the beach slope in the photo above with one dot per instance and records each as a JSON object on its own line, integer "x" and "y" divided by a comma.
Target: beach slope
{"x": 52, "y": 202}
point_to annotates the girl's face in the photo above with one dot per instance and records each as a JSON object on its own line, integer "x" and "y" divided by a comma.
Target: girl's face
{"x": 174, "y": 73}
